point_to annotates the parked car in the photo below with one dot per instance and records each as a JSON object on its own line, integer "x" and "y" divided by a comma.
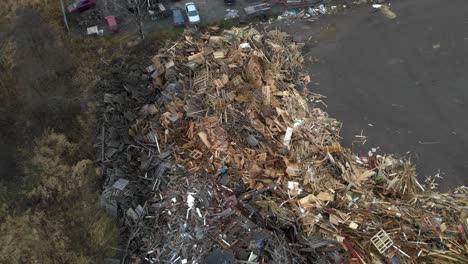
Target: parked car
{"x": 81, "y": 5}
{"x": 192, "y": 13}
{"x": 178, "y": 17}
{"x": 112, "y": 24}
{"x": 229, "y": 2}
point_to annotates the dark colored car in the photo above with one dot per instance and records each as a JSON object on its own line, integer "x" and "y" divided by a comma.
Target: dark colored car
{"x": 178, "y": 17}
{"x": 81, "y": 5}
{"x": 229, "y": 2}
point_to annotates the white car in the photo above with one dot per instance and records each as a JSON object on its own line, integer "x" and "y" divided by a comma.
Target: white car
{"x": 192, "y": 13}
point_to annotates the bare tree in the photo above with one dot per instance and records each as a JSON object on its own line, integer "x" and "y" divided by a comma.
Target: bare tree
{"x": 136, "y": 8}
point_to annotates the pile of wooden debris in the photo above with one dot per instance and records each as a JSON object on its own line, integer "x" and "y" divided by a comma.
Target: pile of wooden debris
{"x": 228, "y": 158}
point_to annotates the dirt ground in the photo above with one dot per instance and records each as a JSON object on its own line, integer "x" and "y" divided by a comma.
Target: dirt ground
{"x": 46, "y": 95}
{"x": 402, "y": 82}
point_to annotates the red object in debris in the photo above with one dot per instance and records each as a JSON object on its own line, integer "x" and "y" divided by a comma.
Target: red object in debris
{"x": 356, "y": 258}
{"x": 112, "y": 23}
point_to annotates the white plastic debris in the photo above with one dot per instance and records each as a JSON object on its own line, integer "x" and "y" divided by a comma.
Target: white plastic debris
{"x": 292, "y": 185}
{"x": 322, "y": 9}
{"x": 245, "y": 45}
{"x": 252, "y": 257}
{"x": 190, "y": 201}
{"x": 92, "y": 30}
{"x": 287, "y": 136}
{"x": 318, "y": 217}
{"x": 231, "y": 14}
{"x": 330, "y": 157}
{"x": 339, "y": 238}
{"x": 288, "y": 13}
{"x": 353, "y": 225}
{"x": 294, "y": 188}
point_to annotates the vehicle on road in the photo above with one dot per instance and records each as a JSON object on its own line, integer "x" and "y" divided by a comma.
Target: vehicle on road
{"x": 178, "y": 17}
{"x": 81, "y": 5}
{"x": 192, "y": 13}
{"x": 229, "y": 2}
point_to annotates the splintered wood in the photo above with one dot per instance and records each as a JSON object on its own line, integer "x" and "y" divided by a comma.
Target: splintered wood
{"x": 254, "y": 72}
{"x": 266, "y": 95}
{"x": 232, "y": 106}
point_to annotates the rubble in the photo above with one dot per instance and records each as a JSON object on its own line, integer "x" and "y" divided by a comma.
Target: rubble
{"x": 91, "y": 18}
{"x": 231, "y": 14}
{"x": 216, "y": 152}
{"x": 385, "y": 9}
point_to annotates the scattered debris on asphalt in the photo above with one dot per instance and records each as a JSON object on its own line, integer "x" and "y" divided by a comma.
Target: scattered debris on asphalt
{"x": 216, "y": 153}
{"x": 231, "y": 14}
{"x": 320, "y": 10}
{"x": 257, "y": 9}
{"x": 311, "y": 12}
{"x": 385, "y": 10}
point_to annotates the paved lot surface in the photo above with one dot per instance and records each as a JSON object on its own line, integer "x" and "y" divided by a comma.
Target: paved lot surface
{"x": 404, "y": 82}
{"x": 210, "y": 11}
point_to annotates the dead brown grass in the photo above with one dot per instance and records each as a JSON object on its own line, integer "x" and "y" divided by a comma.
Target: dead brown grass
{"x": 7, "y": 64}
{"x": 33, "y": 238}
{"x": 10, "y": 7}
{"x": 53, "y": 217}
{"x": 62, "y": 223}
{"x": 8, "y": 53}
{"x": 50, "y": 11}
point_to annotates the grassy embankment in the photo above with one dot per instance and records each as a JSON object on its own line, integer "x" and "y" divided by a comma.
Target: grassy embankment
{"x": 48, "y": 204}
{"x": 48, "y": 210}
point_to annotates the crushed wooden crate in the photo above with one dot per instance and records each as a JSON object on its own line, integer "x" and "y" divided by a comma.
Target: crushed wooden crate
{"x": 382, "y": 241}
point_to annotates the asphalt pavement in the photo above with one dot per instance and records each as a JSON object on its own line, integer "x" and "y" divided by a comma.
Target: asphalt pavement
{"x": 403, "y": 82}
